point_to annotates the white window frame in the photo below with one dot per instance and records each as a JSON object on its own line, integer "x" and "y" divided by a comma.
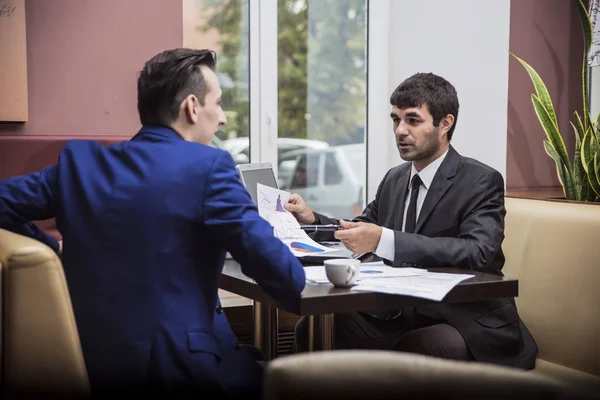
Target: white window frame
{"x": 264, "y": 87}
{"x": 263, "y": 81}
{"x": 381, "y": 146}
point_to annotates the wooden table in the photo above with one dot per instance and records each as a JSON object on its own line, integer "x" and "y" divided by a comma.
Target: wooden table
{"x": 324, "y": 300}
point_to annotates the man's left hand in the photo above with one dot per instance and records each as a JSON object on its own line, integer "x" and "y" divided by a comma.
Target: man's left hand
{"x": 359, "y": 237}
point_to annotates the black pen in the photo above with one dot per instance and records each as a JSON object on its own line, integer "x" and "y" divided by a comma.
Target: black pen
{"x": 316, "y": 228}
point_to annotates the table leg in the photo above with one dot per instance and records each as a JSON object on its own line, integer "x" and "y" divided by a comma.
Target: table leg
{"x": 266, "y": 329}
{"x": 311, "y": 333}
{"x": 326, "y": 331}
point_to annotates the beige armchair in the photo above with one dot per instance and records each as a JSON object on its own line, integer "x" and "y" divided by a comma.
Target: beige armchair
{"x": 552, "y": 248}
{"x": 360, "y": 374}
{"x": 40, "y": 348}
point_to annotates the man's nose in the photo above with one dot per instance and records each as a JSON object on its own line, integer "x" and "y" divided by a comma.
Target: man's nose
{"x": 401, "y": 129}
{"x": 222, "y": 118}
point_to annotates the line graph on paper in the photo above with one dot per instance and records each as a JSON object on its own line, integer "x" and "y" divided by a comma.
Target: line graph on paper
{"x": 264, "y": 202}
{"x": 285, "y": 226}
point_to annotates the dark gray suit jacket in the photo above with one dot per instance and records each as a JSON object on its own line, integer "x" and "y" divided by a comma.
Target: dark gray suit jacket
{"x": 461, "y": 224}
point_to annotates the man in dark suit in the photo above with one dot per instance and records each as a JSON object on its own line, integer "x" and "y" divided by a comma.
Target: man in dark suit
{"x": 439, "y": 209}
{"x": 146, "y": 224}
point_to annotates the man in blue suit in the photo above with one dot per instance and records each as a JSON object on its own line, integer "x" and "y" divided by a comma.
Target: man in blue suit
{"x": 145, "y": 226}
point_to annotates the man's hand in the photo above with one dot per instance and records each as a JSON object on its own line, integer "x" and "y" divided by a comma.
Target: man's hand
{"x": 60, "y": 247}
{"x": 298, "y": 207}
{"x": 359, "y": 237}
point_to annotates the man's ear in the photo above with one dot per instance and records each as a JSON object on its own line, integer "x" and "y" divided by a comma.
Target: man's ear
{"x": 446, "y": 123}
{"x": 191, "y": 108}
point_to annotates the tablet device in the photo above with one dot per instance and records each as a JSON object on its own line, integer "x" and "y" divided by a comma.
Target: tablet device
{"x": 254, "y": 173}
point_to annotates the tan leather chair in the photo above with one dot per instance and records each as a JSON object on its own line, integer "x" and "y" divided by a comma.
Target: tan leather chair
{"x": 552, "y": 247}
{"x": 40, "y": 348}
{"x": 519, "y": 215}
{"x": 360, "y": 374}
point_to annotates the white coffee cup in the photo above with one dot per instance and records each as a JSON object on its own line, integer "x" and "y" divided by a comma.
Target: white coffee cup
{"x": 342, "y": 272}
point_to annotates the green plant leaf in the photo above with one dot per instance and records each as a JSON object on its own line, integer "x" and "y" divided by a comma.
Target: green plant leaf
{"x": 590, "y": 149}
{"x": 551, "y": 130}
{"x": 562, "y": 171}
{"x": 580, "y": 178}
{"x": 596, "y": 128}
{"x": 586, "y": 27}
{"x": 586, "y": 152}
{"x": 595, "y": 176}
{"x": 540, "y": 89}
{"x": 578, "y": 129}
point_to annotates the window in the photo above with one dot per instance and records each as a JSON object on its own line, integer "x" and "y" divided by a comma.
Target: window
{"x": 333, "y": 175}
{"x": 307, "y": 172}
{"x": 318, "y": 51}
{"x": 322, "y": 80}
{"x": 286, "y": 169}
{"x": 223, "y": 25}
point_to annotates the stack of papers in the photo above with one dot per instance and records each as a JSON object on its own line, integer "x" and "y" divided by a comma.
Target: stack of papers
{"x": 377, "y": 277}
{"x": 368, "y": 271}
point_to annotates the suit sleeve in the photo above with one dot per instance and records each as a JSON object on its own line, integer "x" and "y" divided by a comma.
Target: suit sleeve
{"x": 28, "y": 198}
{"x": 480, "y": 236}
{"x": 234, "y": 223}
{"x": 370, "y": 214}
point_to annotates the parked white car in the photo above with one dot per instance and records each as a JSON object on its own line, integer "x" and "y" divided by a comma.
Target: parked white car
{"x": 239, "y": 148}
{"x": 330, "y": 180}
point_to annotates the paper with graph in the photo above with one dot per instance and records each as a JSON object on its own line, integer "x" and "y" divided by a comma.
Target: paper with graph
{"x": 285, "y": 227}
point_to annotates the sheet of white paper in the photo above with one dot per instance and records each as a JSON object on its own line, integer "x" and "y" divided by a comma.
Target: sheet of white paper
{"x": 367, "y": 272}
{"x": 285, "y": 226}
{"x": 430, "y": 285}
{"x": 373, "y": 264}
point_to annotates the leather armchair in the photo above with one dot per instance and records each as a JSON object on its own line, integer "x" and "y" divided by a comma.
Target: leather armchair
{"x": 40, "y": 349}
{"x": 360, "y": 374}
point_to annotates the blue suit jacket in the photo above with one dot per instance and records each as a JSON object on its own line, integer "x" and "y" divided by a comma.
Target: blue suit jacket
{"x": 145, "y": 226}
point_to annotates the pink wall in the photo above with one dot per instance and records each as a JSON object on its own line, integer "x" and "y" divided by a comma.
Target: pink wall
{"x": 546, "y": 34}
{"x": 83, "y": 57}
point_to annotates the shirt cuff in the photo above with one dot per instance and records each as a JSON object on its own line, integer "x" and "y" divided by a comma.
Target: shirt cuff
{"x": 386, "y": 247}
{"x": 317, "y": 220}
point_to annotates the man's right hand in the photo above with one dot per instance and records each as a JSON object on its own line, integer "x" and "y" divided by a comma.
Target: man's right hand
{"x": 298, "y": 207}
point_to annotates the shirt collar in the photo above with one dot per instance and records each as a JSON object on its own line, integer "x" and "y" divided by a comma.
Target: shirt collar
{"x": 428, "y": 173}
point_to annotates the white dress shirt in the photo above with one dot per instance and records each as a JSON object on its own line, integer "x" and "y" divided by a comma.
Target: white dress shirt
{"x": 386, "y": 247}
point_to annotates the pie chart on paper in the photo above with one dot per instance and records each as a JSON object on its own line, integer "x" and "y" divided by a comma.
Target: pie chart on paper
{"x": 305, "y": 248}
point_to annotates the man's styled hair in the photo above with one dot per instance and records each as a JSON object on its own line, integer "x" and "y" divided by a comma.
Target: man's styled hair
{"x": 167, "y": 79}
{"x": 427, "y": 88}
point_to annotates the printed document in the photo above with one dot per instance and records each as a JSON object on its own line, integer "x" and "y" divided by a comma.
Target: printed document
{"x": 430, "y": 285}
{"x": 368, "y": 272}
{"x": 285, "y": 226}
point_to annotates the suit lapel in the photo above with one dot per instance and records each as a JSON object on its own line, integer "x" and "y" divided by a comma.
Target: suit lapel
{"x": 442, "y": 181}
{"x": 400, "y": 198}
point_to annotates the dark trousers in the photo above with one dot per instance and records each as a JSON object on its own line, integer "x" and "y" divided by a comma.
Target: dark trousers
{"x": 410, "y": 332}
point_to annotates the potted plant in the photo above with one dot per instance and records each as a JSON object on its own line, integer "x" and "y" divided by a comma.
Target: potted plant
{"x": 580, "y": 179}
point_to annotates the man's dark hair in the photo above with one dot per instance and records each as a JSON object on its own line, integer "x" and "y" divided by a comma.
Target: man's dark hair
{"x": 167, "y": 79}
{"x": 437, "y": 93}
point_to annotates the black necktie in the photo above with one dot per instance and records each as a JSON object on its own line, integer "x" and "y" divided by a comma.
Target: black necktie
{"x": 411, "y": 214}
